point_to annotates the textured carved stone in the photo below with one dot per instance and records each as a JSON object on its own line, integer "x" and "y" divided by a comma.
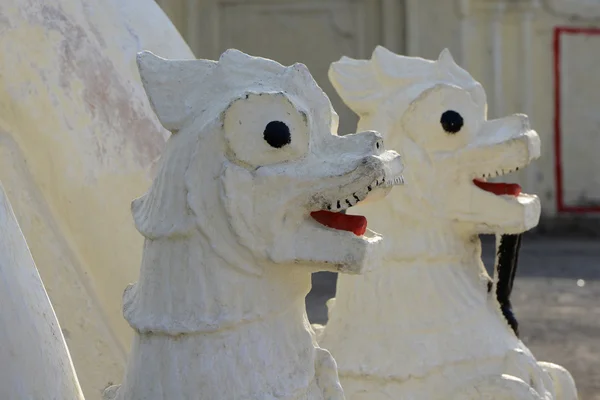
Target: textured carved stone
{"x": 423, "y": 326}
{"x": 230, "y": 244}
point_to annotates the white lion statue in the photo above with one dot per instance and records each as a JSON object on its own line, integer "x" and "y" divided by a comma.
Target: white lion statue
{"x": 245, "y": 205}
{"x": 425, "y": 325}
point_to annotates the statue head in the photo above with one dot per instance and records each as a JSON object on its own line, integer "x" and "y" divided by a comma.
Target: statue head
{"x": 435, "y": 114}
{"x": 255, "y": 165}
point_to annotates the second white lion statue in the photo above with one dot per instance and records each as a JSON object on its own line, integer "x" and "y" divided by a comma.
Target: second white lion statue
{"x": 425, "y": 325}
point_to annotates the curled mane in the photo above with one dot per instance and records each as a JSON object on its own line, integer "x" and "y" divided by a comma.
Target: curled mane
{"x": 164, "y": 211}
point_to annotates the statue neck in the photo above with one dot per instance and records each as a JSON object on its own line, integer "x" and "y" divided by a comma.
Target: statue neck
{"x": 184, "y": 287}
{"x": 423, "y": 257}
{"x": 200, "y": 321}
{"x": 425, "y": 242}
{"x": 420, "y": 262}
{"x": 433, "y": 282}
{"x": 416, "y": 237}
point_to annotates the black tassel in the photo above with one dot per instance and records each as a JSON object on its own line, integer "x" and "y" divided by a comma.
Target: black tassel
{"x": 507, "y": 260}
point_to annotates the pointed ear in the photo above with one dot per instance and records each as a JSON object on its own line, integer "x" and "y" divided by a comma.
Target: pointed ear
{"x": 381, "y": 55}
{"x": 446, "y": 58}
{"x": 446, "y": 64}
{"x": 356, "y": 82}
{"x": 170, "y": 84}
{"x": 235, "y": 56}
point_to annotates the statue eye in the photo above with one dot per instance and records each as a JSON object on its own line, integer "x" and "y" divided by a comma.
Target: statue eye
{"x": 277, "y": 134}
{"x": 451, "y": 121}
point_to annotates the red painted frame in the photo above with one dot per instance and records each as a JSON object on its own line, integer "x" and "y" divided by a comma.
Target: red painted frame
{"x": 560, "y": 202}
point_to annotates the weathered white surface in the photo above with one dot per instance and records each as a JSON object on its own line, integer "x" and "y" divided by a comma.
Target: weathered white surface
{"x": 77, "y": 137}
{"x": 219, "y": 310}
{"x": 423, "y": 326}
{"x": 34, "y": 360}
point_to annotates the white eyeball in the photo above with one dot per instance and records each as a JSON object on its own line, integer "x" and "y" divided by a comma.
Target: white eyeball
{"x": 266, "y": 128}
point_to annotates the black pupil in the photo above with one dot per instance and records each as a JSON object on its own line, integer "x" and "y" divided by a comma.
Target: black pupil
{"x": 451, "y": 121}
{"x": 277, "y": 134}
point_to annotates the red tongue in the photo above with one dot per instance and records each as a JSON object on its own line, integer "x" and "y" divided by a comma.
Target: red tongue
{"x": 498, "y": 188}
{"x": 343, "y": 222}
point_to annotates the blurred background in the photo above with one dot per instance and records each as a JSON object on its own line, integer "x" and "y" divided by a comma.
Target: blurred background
{"x": 540, "y": 58}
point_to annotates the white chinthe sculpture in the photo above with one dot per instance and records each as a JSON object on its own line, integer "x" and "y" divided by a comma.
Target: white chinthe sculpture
{"x": 231, "y": 231}
{"x": 34, "y": 360}
{"x": 423, "y": 326}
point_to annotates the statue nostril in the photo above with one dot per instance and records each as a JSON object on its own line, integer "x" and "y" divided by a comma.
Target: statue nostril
{"x": 379, "y": 145}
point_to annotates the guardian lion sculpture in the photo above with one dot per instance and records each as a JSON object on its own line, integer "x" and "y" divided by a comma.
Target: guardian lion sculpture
{"x": 244, "y": 207}
{"x": 424, "y": 326}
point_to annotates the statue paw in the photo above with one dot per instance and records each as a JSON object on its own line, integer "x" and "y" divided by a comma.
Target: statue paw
{"x": 523, "y": 365}
{"x": 562, "y": 381}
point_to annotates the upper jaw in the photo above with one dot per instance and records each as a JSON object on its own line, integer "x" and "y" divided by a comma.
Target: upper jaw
{"x": 502, "y": 146}
{"x": 507, "y": 157}
{"x": 375, "y": 177}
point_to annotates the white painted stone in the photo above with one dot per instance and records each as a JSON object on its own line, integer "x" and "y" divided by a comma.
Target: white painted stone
{"x": 77, "y": 140}
{"x": 219, "y": 312}
{"x": 423, "y": 326}
{"x": 34, "y": 360}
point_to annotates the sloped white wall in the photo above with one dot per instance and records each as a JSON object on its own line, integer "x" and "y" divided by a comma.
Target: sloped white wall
{"x": 34, "y": 361}
{"x": 77, "y": 139}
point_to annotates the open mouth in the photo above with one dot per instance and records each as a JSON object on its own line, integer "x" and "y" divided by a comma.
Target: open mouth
{"x": 335, "y": 216}
{"x": 498, "y": 188}
{"x": 356, "y": 224}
